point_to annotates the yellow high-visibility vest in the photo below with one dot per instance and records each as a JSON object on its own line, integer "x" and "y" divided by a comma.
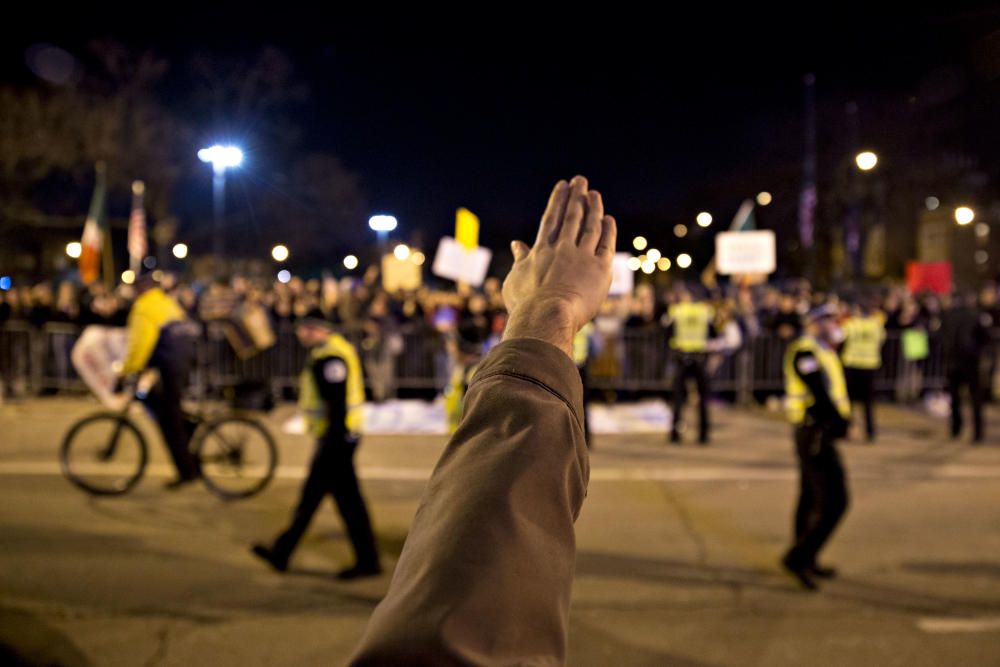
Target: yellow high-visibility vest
{"x": 151, "y": 311}
{"x": 863, "y": 342}
{"x": 581, "y": 344}
{"x": 691, "y": 325}
{"x": 454, "y": 400}
{"x": 798, "y": 397}
{"x": 311, "y": 403}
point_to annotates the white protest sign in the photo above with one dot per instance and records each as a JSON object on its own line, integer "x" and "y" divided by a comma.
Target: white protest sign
{"x": 746, "y": 252}
{"x": 454, "y": 262}
{"x": 622, "y": 277}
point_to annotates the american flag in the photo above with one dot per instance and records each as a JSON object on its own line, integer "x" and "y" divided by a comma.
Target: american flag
{"x": 137, "y": 244}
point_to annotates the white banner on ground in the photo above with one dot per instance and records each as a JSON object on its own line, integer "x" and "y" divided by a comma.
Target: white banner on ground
{"x": 454, "y": 262}
{"x": 752, "y": 252}
{"x": 622, "y": 277}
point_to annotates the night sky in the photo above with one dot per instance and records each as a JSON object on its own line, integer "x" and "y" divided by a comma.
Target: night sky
{"x": 666, "y": 115}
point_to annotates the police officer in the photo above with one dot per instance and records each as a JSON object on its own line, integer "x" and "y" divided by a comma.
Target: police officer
{"x": 864, "y": 333}
{"x": 965, "y": 334}
{"x": 689, "y": 324}
{"x": 819, "y": 408}
{"x": 160, "y": 338}
{"x": 331, "y": 394}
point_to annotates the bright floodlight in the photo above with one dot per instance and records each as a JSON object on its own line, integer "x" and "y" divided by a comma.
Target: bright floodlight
{"x": 663, "y": 264}
{"x": 680, "y": 231}
{"x": 639, "y": 243}
{"x": 279, "y": 253}
{"x": 382, "y": 223}
{"x": 964, "y": 215}
{"x": 683, "y": 260}
{"x": 128, "y": 276}
{"x": 704, "y": 219}
{"x": 350, "y": 262}
{"x": 180, "y": 250}
{"x": 221, "y": 157}
{"x": 284, "y": 276}
{"x": 763, "y": 198}
{"x": 648, "y": 266}
{"x": 402, "y": 251}
{"x": 634, "y": 263}
{"x": 74, "y": 249}
{"x": 418, "y": 258}
{"x": 654, "y": 255}
{"x": 866, "y": 160}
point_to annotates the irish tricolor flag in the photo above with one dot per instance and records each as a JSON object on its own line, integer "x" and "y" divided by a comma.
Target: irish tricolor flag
{"x": 92, "y": 241}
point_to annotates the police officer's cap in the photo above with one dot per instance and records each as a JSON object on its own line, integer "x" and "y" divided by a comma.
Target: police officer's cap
{"x": 821, "y": 312}
{"x": 311, "y": 320}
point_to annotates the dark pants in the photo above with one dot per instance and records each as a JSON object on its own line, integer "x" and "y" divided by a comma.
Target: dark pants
{"x": 967, "y": 375}
{"x": 586, "y": 420}
{"x": 332, "y": 471}
{"x": 861, "y": 389}
{"x": 172, "y": 359}
{"x": 822, "y": 493}
{"x": 691, "y": 366}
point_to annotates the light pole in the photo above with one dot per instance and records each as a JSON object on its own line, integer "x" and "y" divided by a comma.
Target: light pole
{"x": 221, "y": 158}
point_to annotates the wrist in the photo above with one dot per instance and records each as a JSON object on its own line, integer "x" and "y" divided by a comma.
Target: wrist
{"x": 550, "y": 320}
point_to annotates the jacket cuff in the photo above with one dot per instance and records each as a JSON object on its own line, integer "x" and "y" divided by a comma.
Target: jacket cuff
{"x": 534, "y": 360}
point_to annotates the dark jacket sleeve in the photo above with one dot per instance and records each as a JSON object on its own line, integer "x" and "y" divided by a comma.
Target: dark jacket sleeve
{"x": 485, "y": 575}
{"x": 822, "y": 410}
{"x": 330, "y": 374}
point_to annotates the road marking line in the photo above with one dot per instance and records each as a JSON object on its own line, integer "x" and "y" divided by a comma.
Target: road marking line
{"x": 933, "y": 625}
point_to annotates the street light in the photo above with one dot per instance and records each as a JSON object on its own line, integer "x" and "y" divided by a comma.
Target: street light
{"x": 764, "y": 198}
{"x": 704, "y": 219}
{"x": 932, "y": 203}
{"x": 221, "y": 158}
{"x": 382, "y": 223}
{"x": 639, "y": 243}
{"x": 284, "y": 276}
{"x": 680, "y": 230}
{"x": 683, "y": 260}
{"x": 74, "y": 249}
{"x": 648, "y": 266}
{"x": 418, "y": 258}
{"x": 663, "y": 264}
{"x": 402, "y": 251}
{"x": 350, "y": 262}
{"x": 634, "y": 263}
{"x": 964, "y": 215}
{"x": 279, "y": 253}
{"x": 653, "y": 255}
{"x": 866, "y": 160}
{"x": 180, "y": 250}
{"x": 128, "y": 276}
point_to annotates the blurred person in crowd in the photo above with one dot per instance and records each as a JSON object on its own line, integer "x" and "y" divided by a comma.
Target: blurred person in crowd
{"x": 8, "y": 305}
{"x": 916, "y": 349}
{"x": 864, "y": 334}
{"x": 470, "y": 348}
{"x": 965, "y": 335}
{"x": 582, "y": 349}
{"x": 689, "y": 325}
{"x": 66, "y": 308}
{"x": 786, "y": 323}
{"x": 818, "y": 407}
{"x": 988, "y": 304}
{"x": 329, "y": 300}
{"x": 380, "y": 345}
{"x": 158, "y": 338}
{"x": 331, "y": 395}
{"x": 42, "y": 305}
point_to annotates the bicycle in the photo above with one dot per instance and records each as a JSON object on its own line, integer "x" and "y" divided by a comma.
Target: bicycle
{"x": 106, "y": 454}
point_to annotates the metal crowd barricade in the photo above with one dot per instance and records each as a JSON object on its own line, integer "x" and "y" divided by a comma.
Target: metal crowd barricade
{"x": 34, "y": 360}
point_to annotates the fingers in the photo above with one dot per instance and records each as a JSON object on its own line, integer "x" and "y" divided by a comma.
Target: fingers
{"x": 519, "y": 249}
{"x": 548, "y": 230}
{"x": 575, "y": 208}
{"x": 609, "y": 238}
{"x": 591, "y": 232}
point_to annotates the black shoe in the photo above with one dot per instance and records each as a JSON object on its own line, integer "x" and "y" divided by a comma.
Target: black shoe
{"x": 359, "y": 572}
{"x": 175, "y": 484}
{"x": 800, "y": 573}
{"x": 675, "y": 438}
{"x": 823, "y": 572}
{"x": 267, "y": 553}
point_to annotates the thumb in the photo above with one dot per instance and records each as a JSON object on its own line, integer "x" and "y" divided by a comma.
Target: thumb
{"x": 520, "y": 250}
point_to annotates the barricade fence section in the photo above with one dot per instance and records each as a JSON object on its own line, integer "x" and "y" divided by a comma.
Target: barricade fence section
{"x": 634, "y": 361}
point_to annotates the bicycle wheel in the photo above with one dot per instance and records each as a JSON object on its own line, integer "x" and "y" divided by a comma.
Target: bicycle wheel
{"x": 104, "y": 454}
{"x": 237, "y": 456}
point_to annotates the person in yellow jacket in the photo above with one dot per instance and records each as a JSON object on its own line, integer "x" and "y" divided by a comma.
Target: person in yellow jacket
{"x": 689, "y": 325}
{"x": 470, "y": 343}
{"x": 819, "y": 409}
{"x": 159, "y": 338}
{"x": 331, "y": 396}
{"x": 864, "y": 333}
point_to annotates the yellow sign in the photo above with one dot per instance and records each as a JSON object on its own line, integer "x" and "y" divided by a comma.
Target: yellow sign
{"x": 467, "y": 229}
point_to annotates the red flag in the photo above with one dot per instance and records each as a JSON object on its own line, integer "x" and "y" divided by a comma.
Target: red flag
{"x": 92, "y": 240}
